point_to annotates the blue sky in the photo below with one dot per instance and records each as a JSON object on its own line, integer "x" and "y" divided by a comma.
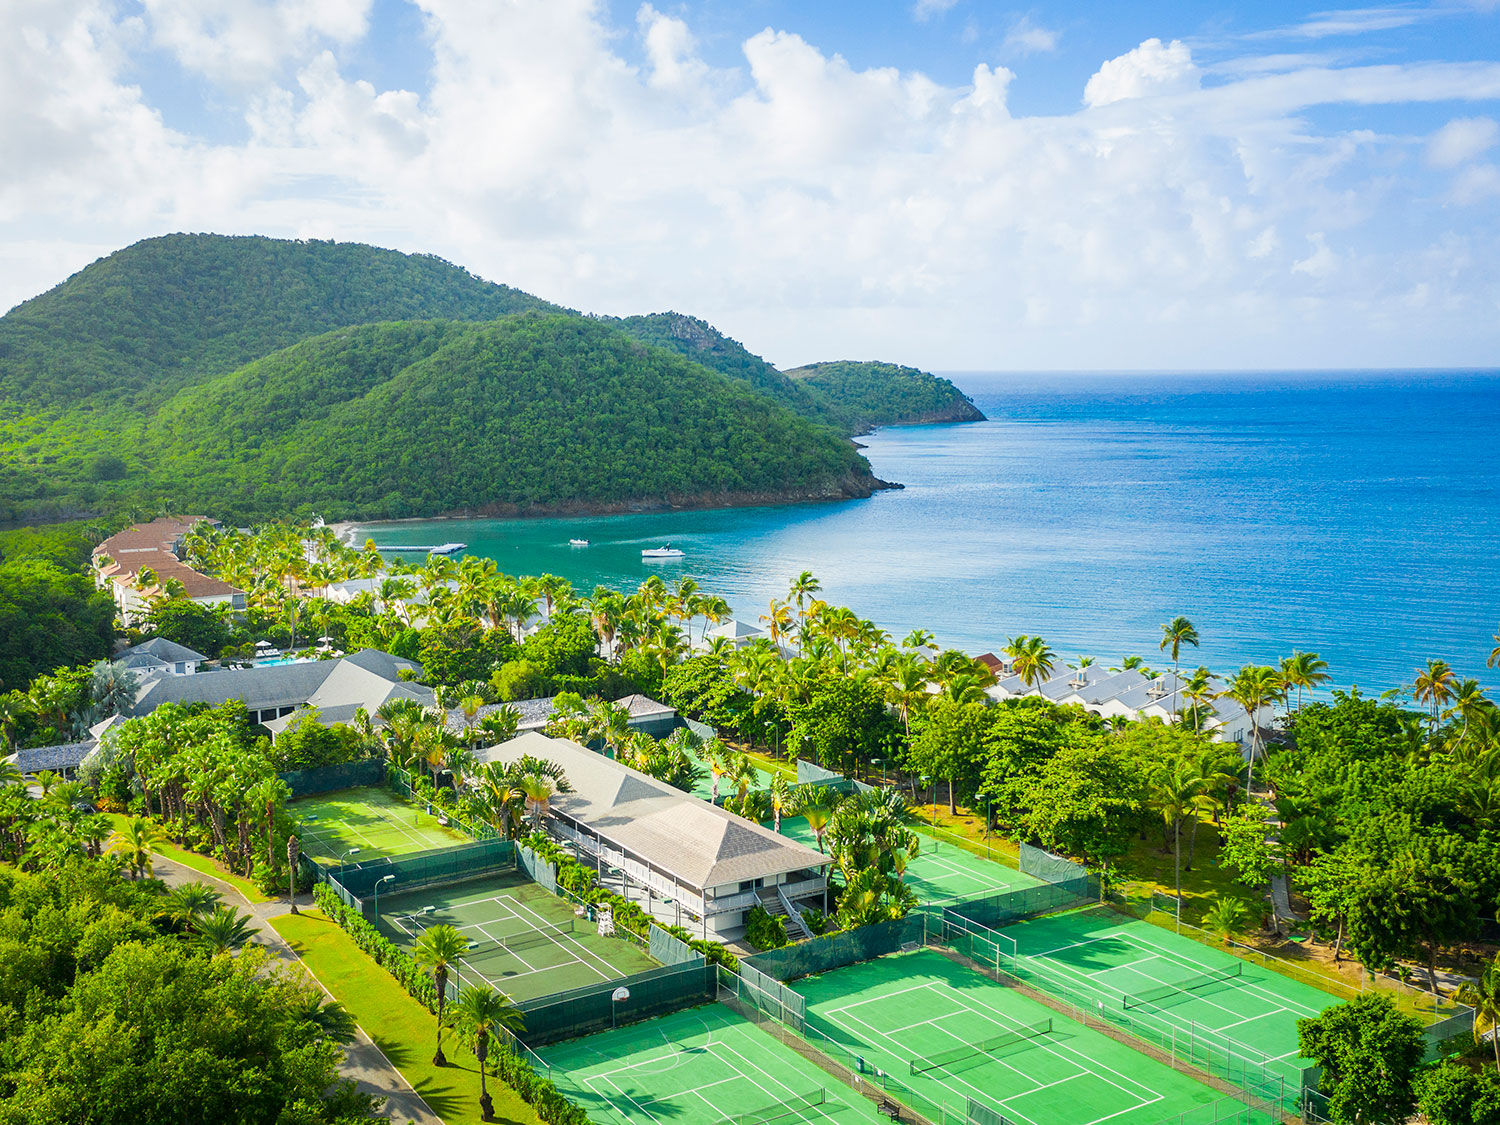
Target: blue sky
{"x": 948, "y": 183}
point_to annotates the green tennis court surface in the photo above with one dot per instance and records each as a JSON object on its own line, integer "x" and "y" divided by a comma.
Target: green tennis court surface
{"x": 372, "y": 819}
{"x": 953, "y": 1035}
{"x": 1133, "y": 965}
{"x": 523, "y": 940}
{"x": 940, "y": 871}
{"x": 703, "y": 789}
{"x": 706, "y": 1066}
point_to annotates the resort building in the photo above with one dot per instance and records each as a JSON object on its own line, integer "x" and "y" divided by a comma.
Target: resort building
{"x": 156, "y": 548}
{"x": 737, "y": 633}
{"x": 646, "y": 715}
{"x": 1132, "y": 695}
{"x": 271, "y": 692}
{"x": 685, "y": 861}
{"x": 160, "y": 657}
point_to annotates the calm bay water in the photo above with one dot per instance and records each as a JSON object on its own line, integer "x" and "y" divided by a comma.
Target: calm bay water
{"x": 1354, "y": 516}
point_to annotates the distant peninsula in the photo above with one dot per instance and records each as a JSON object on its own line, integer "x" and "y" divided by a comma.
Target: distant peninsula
{"x": 264, "y": 378}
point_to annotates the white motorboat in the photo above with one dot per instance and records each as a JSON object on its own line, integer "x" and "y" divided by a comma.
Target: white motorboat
{"x": 578, "y": 542}
{"x": 666, "y": 552}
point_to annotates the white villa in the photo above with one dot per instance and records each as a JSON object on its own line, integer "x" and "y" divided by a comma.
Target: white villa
{"x": 682, "y": 859}
{"x": 1132, "y": 695}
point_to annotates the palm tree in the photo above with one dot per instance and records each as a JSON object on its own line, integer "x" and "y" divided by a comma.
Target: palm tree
{"x": 1175, "y": 787}
{"x": 782, "y": 799}
{"x": 1174, "y": 634}
{"x": 1128, "y": 664}
{"x": 1484, "y": 997}
{"x": 437, "y": 948}
{"x": 1469, "y": 703}
{"x": 803, "y": 587}
{"x": 816, "y": 804}
{"x": 1255, "y": 686}
{"x": 1434, "y": 686}
{"x": 189, "y": 901}
{"x": 223, "y": 930}
{"x": 1494, "y": 660}
{"x": 480, "y": 1012}
{"x": 136, "y": 841}
{"x": 1303, "y": 670}
{"x": 1226, "y": 917}
{"x": 1030, "y": 657}
{"x": 331, "y": 1018}
{"x": 540, "y": 782}
{"x": 293, "y": 850}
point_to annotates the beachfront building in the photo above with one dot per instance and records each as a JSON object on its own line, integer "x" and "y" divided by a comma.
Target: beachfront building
{"x": 685, "y": 861}
{"x": 143, "y": 563}
{"x": 1132, "y": 695}
{"x": 160, "y": 657}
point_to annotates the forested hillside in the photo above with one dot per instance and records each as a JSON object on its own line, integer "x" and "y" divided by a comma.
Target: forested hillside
{"x": 531, "y": 412}
{"x": 116, "y": 383}
{"x": 868, "y": 394}
{"x": 702, "y": 342}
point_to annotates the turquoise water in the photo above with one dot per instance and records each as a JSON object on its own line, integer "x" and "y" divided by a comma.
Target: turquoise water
{"x": 1355, "y": 516}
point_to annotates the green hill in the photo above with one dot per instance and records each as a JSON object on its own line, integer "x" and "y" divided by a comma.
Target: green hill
{"x": 869, "y": 394}
{"x": 530, "y": 412}
{"x": 702, "y": 342}
{"x": 166, "y": 312}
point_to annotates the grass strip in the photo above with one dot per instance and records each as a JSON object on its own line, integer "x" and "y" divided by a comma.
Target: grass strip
{"x": 203, "y": 864}
{"x": 402, "y": 1028}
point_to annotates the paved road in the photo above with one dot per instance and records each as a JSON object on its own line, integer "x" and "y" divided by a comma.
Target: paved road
{"x": 364, "y": 1062}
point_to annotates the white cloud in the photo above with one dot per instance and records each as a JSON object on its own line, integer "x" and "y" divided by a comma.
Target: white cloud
{"x": 1461, "y": 140}
{"x": 924, "y": 10}
{"x": 808, "y": 206}
{"x": 1151, "y": 69}
{"x": 1352, "y": 21}
{"x": 1028, "y": 38}
{"x": 241, "y": 40}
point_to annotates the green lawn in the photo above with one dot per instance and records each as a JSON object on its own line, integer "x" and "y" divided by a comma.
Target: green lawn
{"x": 201, "y": 863}
{"x": 401, "y": 1027}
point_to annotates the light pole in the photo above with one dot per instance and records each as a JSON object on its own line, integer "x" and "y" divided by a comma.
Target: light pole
{"x": 346, "y": 855}
{"x": 387, "y": 879}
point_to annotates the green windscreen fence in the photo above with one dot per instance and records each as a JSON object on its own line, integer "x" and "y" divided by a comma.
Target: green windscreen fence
{"x": 541, "y": 871}
{"x": 811, "y": 774}
{"x": 669, "y": 950}
{"x": 330, "y": 779}
{"x": 1005, "y": 907}
{"x": 1049, "y": 868}
{"x": 414, "y": 870}
{"x": 833, "y": 951}
{"x": 614, "y": 1003}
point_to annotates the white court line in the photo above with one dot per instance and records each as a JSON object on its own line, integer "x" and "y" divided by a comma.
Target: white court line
{"x": 610, "y": 972}
{"x": 1008, "y": 1022}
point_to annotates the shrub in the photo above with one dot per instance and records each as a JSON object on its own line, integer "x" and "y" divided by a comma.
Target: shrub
{"x": 764, "y": 930}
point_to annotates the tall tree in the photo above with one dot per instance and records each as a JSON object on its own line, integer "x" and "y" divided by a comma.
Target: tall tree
{"x": 436, "y": 950}
{"x": 1174, "y": 634}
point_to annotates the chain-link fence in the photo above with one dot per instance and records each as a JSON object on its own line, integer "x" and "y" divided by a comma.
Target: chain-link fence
{"x": 668, "y": 950}
{"x": 395, "y": 874}
{"x": 848, "y": 947}
{"x": 614, "y": 1003}
{"x": 330, "y": 779}
{"x": 1049, "y": 868}
{"x": 1004, "y": 907}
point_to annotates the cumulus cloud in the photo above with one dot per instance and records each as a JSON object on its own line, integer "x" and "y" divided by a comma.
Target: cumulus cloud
{"x": 241, "y": 40}
{"x": 1151, "y": 69}
{"x": 807, "y": 205}
{"x": 1461, "y": 140}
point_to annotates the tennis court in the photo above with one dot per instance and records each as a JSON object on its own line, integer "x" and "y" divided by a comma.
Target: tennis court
{"x": 705, "y": 1066}
{"x": 941, "y": 870}
{"x": 956, "y": 1036}
{"x": 372, "y": 819}
{"x": 1158, "y": 975}
{"x": 523, "y": 940}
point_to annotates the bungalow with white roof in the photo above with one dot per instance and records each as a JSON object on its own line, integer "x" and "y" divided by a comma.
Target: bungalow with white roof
{"x": 683, "y": 859}
{"x": 1133, "y": 696}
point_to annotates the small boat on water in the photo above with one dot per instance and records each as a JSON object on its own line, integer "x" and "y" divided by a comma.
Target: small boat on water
{"x": 578, "y": 542}
{"x": 665, "y": 552}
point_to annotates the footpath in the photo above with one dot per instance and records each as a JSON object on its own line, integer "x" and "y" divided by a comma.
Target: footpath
{"x": 364, "y": 1062}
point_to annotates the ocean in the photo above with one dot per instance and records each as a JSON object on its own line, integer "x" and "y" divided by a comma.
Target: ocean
{"x": 1352, "y": 515}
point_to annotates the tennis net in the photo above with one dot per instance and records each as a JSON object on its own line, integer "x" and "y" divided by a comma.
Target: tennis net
{"x": 787, "y": 1107}
{"x": 538, "y": 936}
{"x": 1202, "y": 980}
{"x": 986, "y": 1047}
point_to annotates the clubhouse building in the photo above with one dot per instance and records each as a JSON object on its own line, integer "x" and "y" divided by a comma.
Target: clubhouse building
{"x": 683, "y": 860}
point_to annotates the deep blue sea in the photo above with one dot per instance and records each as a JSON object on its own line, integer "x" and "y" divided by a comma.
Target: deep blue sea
{"x": 1357, "y": 516}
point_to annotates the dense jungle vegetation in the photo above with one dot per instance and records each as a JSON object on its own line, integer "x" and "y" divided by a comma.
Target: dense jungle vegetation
{"x": 865, "y": 395}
